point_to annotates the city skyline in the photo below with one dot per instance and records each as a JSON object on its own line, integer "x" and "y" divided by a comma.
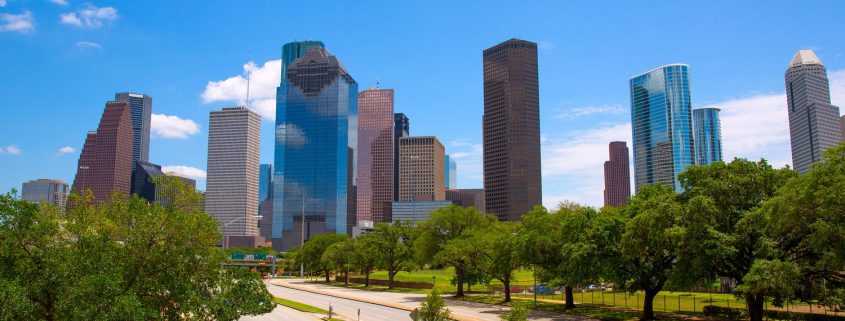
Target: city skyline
{"x": 579, "y": 118}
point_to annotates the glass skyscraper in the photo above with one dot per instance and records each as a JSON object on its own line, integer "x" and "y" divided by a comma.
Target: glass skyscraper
{"x": 265, "y": 181}
{"x": 316, "y": 140}
{"x": 450, "y": 172}
{"x": 661, "y": 121}
{"x": 140, "y": 107}
{"x": 708, "y": 135}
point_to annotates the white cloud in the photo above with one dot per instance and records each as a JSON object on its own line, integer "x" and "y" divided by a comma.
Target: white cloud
{"x": 2, "y": 3}
{"x": 10, "y": 150}
{"x": 262, "y": 88}
{"x": 575, "y": 112}
{"x": 837, "y": 88}
{"x": 22, "y": 23}
{"x": 756, "y": 127}
{"x": 167, "y": 126}
{"x": 59, "y": 2}
{"x": 65, "y": 150}
{"x": 89, "y": 17}
{"x": 469, "y": 158}
{"x": 88, "y": 45}
{"x": 184, "y": 171}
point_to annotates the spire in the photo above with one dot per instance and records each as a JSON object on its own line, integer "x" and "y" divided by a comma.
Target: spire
{"x": 805, "y": 57}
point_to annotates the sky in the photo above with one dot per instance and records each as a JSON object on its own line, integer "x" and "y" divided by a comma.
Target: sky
{"x": 63, "y": 59}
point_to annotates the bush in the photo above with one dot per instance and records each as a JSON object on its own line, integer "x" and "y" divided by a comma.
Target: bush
{"x": 433, "y": 309}
{"x": 736, "y": 314}
{"x": 518, "y": 312}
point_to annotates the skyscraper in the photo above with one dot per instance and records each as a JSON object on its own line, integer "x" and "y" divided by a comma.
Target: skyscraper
{"x": 265, "y": 182}
{"x": 49, "y": 191}
{"x": 708, "y": 135}
{"x": 450, "y": 172}
{"x": 375, "y": 155}
{"x": 512, "y": 182}
{"x": 813, "y": 121}
{"x": 316, "y": 140}
{"x": 401, "y": 128}
{"x": 140, "y": 107}
{"x": 147, "y": 183}
{"x": 105, "y": 163}
{"x": 661, "y": 121}
{"x": 617, "y": 176}
{"x": 421, "y": 169}
{"x": 231, "y": 193}
{"x": 467, "y": 197}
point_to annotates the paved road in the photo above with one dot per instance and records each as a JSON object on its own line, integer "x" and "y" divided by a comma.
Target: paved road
{"x": 281, "y": 313}
{"x": 347, "y": 309}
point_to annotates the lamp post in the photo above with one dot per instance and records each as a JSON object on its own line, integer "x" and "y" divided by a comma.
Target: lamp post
{"x": 302, "y": 237}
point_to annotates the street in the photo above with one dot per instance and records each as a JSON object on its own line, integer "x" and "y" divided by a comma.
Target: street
{"x": 281, "y": 313}
{"x": 347, "y": 309}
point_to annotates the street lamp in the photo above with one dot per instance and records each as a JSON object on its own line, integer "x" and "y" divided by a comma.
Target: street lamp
{"x": 226, "y": 237}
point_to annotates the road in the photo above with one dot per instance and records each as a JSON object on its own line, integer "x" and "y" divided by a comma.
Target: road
{"x": 347, "y": 309}
{"x": 281, "y": 313}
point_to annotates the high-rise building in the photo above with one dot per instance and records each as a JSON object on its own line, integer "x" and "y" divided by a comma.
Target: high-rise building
{"x": 105, "y": 163}
{"x": 842, "y": 125}
{"x": 661, "y": 121}
{"x": 467, "y": 197}
{"x": 450, "y": 172}
{"x": 401, "y": 128}
{"x": 416, "y": 211}
{"x": 617, "y": 176}
{"x": 143, "y": 179}
{"x": 140, "y": 107}
{"x": 512, "y": 181}
{"x": 316, "y": 142}
{"x": 265, "y": 182}
{"x": 813, "y": 122}
{"x": 375, "y": 155}
{"x": 421, "y": 169}
{"x": 49, "y": 191}
{"x": 231, "y": 193}
{"x": 708, "y": 135}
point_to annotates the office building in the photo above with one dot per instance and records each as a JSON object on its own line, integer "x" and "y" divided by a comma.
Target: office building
{"x": 708, "y": 135}
{"x": 147, "y": 183}
{"x": 421, "y": 169}
{"x": 265, "y": 182}
{"x": 814, "y": 124}
{"x": 231, "y": 193}
{"x": 512, "y": 181}
{"x": 316, "y": 142}
{"x": 416, "y": 211}
{"x": 105, "y": 163}
{"x": 375, "y": 155}
{"x": 450, "y": 172}
{"x": 842, "y": 125}
{"x": 48, "y": 191}
{"x": 401, "y": 128}
{"x": 140, "y": 107}
{"x": 661, "y": 121}
{"x": 617, "y": 176}
{"x": 467, "y": 197}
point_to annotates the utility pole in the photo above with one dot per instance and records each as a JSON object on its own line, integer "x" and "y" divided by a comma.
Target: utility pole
{"x": 302, "y": 237}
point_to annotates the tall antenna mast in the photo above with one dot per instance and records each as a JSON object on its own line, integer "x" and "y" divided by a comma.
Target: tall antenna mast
{"x": 248, "y": 79}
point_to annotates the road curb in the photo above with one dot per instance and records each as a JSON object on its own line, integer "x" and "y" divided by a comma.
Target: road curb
{"x": 454, "y": 316}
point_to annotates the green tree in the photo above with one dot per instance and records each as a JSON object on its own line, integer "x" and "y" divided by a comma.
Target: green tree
{"x": 311, "y": 253}
{"x": 445, "y": 239}
{"x": 124, "y": 259}
{"x": 365, "y": 256}
{"x": 500, "y": 252}
{"x": 393, "y": 245}
{"x": 433, "y": 309}
{"x": 731, "y": 236}
{"x": 338, "y": 257}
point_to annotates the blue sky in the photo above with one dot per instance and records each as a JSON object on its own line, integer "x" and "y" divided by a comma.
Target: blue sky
{"x": 63, "y": 59}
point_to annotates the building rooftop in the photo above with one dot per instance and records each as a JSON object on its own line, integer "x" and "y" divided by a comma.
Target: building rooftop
{"x": 805, "y": 57}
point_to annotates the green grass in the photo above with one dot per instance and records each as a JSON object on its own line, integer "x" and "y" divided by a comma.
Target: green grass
{"x": 443, "y": 279}
{"x": 302, "y": 307}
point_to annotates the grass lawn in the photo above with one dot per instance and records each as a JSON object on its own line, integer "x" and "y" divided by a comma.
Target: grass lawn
{"x": 302, "y": 307}
{"x": 443, "y": 279}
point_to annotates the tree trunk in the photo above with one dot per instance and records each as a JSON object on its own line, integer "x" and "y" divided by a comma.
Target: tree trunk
{"x": 367, "y": 279}
{"x": 328, "y": 276}
{"x": 570, "y": 299}
{"x": 648, "y": 305}
{"x": 507, "y": 283}
{"x": 346, "y": 278}
{"x": 390, "y": 276}
{"x": 459, "y": 275}
{"x": 755, "y": 307}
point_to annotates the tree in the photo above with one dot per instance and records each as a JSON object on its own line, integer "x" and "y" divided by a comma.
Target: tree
{"x": 540, "y": 246}
{"x": 806, "y": 228}
{"x": 445, "y": 239}
{"x": 365, "y": 256}
{"x": 501, "y": 252}
{"x": 393, "y": 246}
{"x": 731, "y": 236}
{"x": 311, "y": 253}
{"x": 338, "y": 257}
{"x": 433, "y": 309}
{"x": 124, "y": 259}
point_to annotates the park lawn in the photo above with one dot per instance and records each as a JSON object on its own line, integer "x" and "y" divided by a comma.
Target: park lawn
{"x": 302, "y": 307}
{"x": 443, "y": 279}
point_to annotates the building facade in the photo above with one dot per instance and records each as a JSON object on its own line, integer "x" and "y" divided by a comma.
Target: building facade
{"x": 421, "y": 169}
{"x": 511, "y": 122}
{"x": 450, "y": 174}
{"x": 140, "y": 107}
{"x": 231, "y": 193}
{"x": 661, "y": 121}
{"x": 813, "y": 122}
{"x": 105, "y": 163}
{"x": 375, "y": 155}
{"x": 617, "y": 175}
{"x": 143, "y": 180}
{"x": 48, "y": 191}
{"x": 416, "y": 211}
{"x": 401, "y": 128}
{"x": 467, "y": 197}
{"x": 708, "y": 135}
{"x": 265, "y": 182}
{"x": 316, "y": 143}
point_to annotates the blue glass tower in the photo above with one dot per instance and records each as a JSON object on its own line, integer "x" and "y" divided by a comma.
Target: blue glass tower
{"x": 265, "y": 181}
{"x": 316, "y": 140}
{"x": 661, "y": 121}
{"x": 708, "y": 135}
{"x": 450, "y": 172}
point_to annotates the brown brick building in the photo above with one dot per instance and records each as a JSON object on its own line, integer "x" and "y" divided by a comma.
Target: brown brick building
{"x": 617, "y": 176}
{"x": 105, "y": 163}
{"x": 421, "y": 169}
{"x": 375, "y": 155}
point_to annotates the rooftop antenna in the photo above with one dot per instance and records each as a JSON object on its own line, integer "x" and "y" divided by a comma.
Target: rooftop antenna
{"x": 248, "y": 79}
{"x": 377, "y": 84}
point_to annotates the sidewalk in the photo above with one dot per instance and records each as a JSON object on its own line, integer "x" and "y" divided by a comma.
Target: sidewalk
{"x": 460, "y": 310}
